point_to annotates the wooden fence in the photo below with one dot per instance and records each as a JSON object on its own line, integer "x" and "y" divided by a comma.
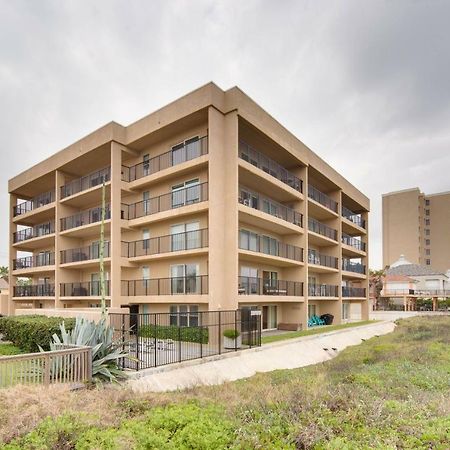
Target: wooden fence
{"x": 66, "y": 365}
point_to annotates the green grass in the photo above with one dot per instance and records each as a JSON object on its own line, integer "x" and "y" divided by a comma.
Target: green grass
{"x": 9, "y": 349}
{"x": 310, "y": 331}
{"x": 390, "y": 392}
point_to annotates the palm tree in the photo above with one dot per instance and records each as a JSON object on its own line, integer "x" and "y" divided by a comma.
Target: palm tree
{"x": 4, "y": 272}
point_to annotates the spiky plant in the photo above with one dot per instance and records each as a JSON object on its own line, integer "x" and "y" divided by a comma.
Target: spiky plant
{"x": 105, "y": 352}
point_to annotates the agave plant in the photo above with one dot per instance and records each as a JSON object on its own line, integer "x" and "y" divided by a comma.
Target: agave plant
{"x": 98, "y": 336}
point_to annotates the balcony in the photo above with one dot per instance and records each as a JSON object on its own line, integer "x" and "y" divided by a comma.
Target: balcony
{"x": 41, "y": 230}
{"x": 269, "y": 166}
{"x": 190, "y": 285}
{"x": 269, "y": 206}
{"x": 83, "y": 289}
{"x": 323, "y": 290}
{"x": 356, "y": 292}
{"x": 35, "y": 203}
{"x": 322, "y": 198}
{"x": 172, "y": 200}
{"x": 319, "y": 259}
{"x": 87, "y": 182}
{"x": 349, "y": 266}
{"x": 87, "y": 217}
{"x": 267, "y": 245}
{"x": 261, "y": 286}
{"x": 31, "y": 262}
{"x": 320, "y": 228}
{"x": 35, "y": 290}
{"x": 353, "y": 242}
{"x": 188, "y": 240}
{"x": 184, "y": 152}
{"x": 353, "y": 217}
{"x": 92, "y": 252}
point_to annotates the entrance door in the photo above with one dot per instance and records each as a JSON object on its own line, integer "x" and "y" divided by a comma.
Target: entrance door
{"x": 269, "y": 317}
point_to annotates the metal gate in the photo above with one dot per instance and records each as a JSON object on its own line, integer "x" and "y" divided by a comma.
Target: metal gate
{"x": 158, "y": 339}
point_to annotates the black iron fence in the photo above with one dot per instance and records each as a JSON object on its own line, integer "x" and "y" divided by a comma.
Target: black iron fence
{"x": 40, "y": 230}
{"x": 353, "y": 242}
{"x": 36, "y": 202}
{"x": 83, "y": 289}
{"x": 158, "y": 339}
{"x": 322, "y": 198}
{"x": 320, "y": 259}
{"x": 87, "y": 217}
{"x": 84, "y": 253}
{"x": 35, "y": 290}
{"x": 356, "y": 218}
{"x": 323, "y": 290}
{"x": 348, "y": 291}
{"x": 320, "y": 228}
{"x": 39, "y": 260}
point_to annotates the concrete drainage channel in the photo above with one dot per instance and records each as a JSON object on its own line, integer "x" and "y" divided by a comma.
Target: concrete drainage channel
{"x": 289, "y": 354}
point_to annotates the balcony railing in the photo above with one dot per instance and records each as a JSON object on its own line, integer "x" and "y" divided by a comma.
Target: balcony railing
{"x": 353, "y": 242}
{"x": 36, "y": 202}
{"x": 28, "y": 262}
{"x": 83, "y": 289}
{"x": 85, "y": 218}
{"x": 35, "y": 290}
{"x": 176, "y": 199}
{"x": 320, "y": 228}
{"x": 188, "y": 240}
{"x": 269, "y": 166}
{"x": 353, "y": 217}
{"x": 322, "y": 198}
{"x": 319, "y": 259}
{"x": 196, "y": 284}
{"x": 269, "y": 206}
{"x": 416, "y": 292}
{"x": 40, "y": 230}
{"x": 350, "y": 266}
{"x": 262, "y": 286}
{"x": 353, "y": 291}
{"x": 269, "y": 246}
{"x": 84, "y": 253}
{"x": 323, "y": 290}
{"x": 86, "y": 182}
{"x": 191, "y": 150}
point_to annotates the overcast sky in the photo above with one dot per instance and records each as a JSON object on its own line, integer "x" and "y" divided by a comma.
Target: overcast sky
{"x": 365, "y": 84}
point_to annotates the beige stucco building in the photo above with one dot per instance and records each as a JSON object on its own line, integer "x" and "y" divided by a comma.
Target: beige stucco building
{"x": 416, "y": 225}
{"x": 211, "y": 204}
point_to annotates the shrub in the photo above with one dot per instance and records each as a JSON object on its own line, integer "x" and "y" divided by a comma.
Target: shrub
{"x": 231, "y": 334}
{"x": 186, "y": 334}
{"x": 31, "y": 332}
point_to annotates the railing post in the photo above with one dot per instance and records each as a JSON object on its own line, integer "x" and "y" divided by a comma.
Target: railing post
{"x": 219, "y": 340}
{"x": 179, "y": 343}
{"x": 89, "y": 364}
{"x": 47, "y": 369}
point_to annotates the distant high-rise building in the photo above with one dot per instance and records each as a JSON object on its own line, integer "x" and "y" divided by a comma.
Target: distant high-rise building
{"x": 418, "y": 226}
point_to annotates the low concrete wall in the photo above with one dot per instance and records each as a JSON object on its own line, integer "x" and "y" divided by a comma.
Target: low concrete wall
{"x": 4, "y": 300}
{"x": 88, "y": 313}
{"x": 289, "y": 354}
{"x": 394, "y": 315}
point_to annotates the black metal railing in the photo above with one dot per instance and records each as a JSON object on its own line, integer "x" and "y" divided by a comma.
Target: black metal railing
{"x": 196, "y": 284}
{"x": 158, "y": 339}
{"x": 36, "y": 202}
{"x": 176, "y": 199}
{"x": 40, "y": 230}
{"x": 353, "y": 242}
{"x": 320, "y": 228}
{"x": 320, "y": 259}
{"x": 262, "y": 286}
{"x": 351, "y": 266}
{"x": 83, "y": 289}
{"x": 323, "y": 290}
{"x": 258, "y": 159}
{"x": 35, "y": 290}
{"x": 269, "y": 246}
{"x": 84, "y": 183}
{"x": 322, "y": 198}
{"x": 353, "y": 217}
{"x": 85, "y": 218}
{"x": 353, "y": 291}
{"x": 188, "y": 240}
{"x": 190, "y": 150}
{"x": 84, "y": 253}
{"x": 269, "y": 206}
{"x": 40, "y": 260}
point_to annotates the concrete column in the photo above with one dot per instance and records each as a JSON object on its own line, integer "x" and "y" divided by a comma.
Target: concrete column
{"x": 223, "y": 209}
{"x": 116, "y": 234}
{"x": 12, "y": 253}
{"x": 59, "y": 181}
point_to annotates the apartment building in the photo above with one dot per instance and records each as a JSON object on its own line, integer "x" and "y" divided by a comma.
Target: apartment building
{"x": 416, "y": 225}
{"x": 211, "y": 205}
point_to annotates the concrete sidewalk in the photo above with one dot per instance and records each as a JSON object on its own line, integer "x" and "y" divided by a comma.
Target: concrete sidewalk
{"x": 289, "y": 354}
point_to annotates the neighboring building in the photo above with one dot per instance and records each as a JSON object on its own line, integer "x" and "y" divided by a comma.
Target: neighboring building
{"x": 417, "y": 226}
{"x": 4, "y": 296}
{"x": 211, "y": 205}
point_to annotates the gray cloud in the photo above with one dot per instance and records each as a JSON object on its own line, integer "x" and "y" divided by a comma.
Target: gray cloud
{"x": 364, "y": 84}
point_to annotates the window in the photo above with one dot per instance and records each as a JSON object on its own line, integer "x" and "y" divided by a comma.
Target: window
{"x": 427, "y": 241}
{"x": 427, "y": 232}
{"x": 427, "y": 202}
{"x": 249, "y": 198}
{"x": 185, "y": 279}
{"x": 185, "y": 151}
{"x": 146, "y": 202}
{"x": 145, "y": 239}
{"x": 345, "y": 311}
{"x": 185, "y": 236}
{"x": 269, "y": 245}
{"x": 427, "y": 221}
{"x": 248, "y": 281}
{"x": 146, "y": 165}
{"x": 186, "y": 193}
{"x": 428, "y": 262}
{"x": 248, "y": 240}
{"x": 145, "y": 279}
{"x": 428, "y": 252}
{"x": 311, "y": 311}
{"x": 427, "y": 212}
{"x": 184, "y": 315}
{"x": 269, "y": 317}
